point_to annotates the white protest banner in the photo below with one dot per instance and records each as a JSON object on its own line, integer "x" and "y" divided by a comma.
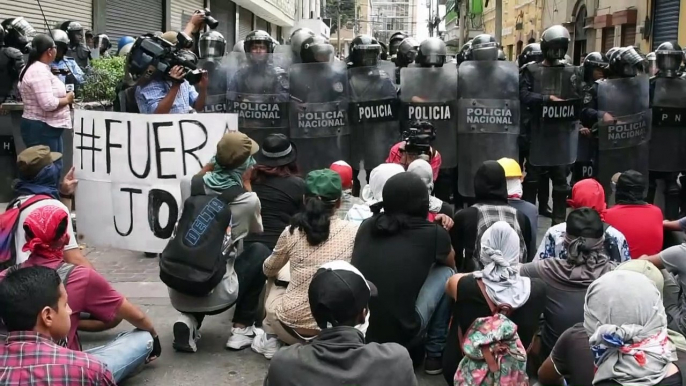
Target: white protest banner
{"x": 129, "y": 168}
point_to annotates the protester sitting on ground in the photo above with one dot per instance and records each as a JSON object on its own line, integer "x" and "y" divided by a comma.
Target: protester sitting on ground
{"x": 490, "y": 188}
{"x": 46, "y": 236}
{"x": 436, "y": 206}
{"x": 623, "y": 339}
{"x": 373, "y": 192}
{"x": 567, "y": 280}
{"x": 479, "y": 294}
{"x": 585, "y": 193}
{"x": 34, "y": 309}
{"x": 347, "y": 199}
{"x": 243, "y": 281}
{"x": 673, "y": 260}
{"x": 640, "y": 222}
{"x": 276, "y": 181}
{"x": 514, "y": 176}
{"x": 338, "y": 297}
{"x": 39, "y": 179}
{"x": 315, "y": 236}
{"x": 410, "y": 260}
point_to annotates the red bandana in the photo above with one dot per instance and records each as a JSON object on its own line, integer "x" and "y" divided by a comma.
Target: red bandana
{"x": 43, "y": 223}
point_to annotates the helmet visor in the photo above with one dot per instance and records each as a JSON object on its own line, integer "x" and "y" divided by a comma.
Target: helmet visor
{"x": 24, "y": 28}
{"x": 211, "y": 49}
{"x": 434, "y": 60}
{"x": 322, "y": 53}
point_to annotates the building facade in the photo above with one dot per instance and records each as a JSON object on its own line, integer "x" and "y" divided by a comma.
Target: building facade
{"x": 390, "y": 16}
{"x": 522, "y": 21}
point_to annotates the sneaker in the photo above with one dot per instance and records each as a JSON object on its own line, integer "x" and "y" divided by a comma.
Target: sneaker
{"x": 186, "y": 334}
{"x": 265, "y": 345}
{"x": 433, "y": 365}
{"x": 240, "y": 338}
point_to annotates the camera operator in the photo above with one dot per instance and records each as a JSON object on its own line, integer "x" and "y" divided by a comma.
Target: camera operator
{"x": 416, "y": 144}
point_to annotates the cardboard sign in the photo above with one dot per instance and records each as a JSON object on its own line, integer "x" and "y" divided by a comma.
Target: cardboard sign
{"x": 129, "y": 168}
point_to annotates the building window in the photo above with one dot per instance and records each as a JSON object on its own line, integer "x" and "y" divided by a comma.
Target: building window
{"x": 608, "y": 38}
{"x": 628, "y": 35}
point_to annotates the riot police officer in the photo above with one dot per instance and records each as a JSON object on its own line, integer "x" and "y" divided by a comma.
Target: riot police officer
{"x": 530, "y": 53}
{"x": 77, "y": 48}
{"x": 103, "y": 44}
{"x": 18, "y": 33}
{"x": 296, "y": 40}
{"x": 394, "y": 43}
{"x": 549, "y": 91}
{"x": 483, "y": 47}
{"x": 64, "y": 66}
{"x": 406, "y": 55}
{"x": 211, "y": 50}
{"x": 11, "y": 63}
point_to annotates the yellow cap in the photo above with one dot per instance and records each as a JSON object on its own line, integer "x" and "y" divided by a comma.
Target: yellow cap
{"x": 511, "y": 167}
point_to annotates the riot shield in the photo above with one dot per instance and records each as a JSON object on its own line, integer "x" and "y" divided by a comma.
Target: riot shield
{"x": 216, "y": 89}
{"x": 258, "y": 93}
{"x": 374, "y": 118}
{"x": 555, "y": 124}
{"x": 319, "y": 114}
{"x": 668, "y": 138}
{"x": 430, "y": 94}
{"x": 624, "y": 141}
{"x": 488, "y": 116}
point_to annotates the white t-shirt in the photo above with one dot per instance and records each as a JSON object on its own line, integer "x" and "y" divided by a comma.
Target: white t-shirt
{"x": 20, "y": 235}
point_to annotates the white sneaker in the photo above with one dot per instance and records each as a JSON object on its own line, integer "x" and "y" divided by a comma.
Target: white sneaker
{"x": 263, "y": 344}
{"x": 240, "y": 338}
{"x": 186, "y": 334}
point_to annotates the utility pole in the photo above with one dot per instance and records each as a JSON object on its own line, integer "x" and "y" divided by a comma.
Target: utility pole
{"x": 499, "y": 21}
{"x": 338, "y": 30}
{"x": 437, "y": 19}
{"x": 462, "y": 21}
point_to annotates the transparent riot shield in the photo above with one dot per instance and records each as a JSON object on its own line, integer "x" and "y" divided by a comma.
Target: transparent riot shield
{"x": 319, "y": 114}
{"x": 668, "y": 138}
{"x": 374, "y": 116}
{"x": 555, "y": 124}
{"x": 488, "y": 116}
{"x": 624, "y": 140}
{"x": 216, "y": 90}
{"x": 258, "y": 93}
{"x": 430, "y": 94}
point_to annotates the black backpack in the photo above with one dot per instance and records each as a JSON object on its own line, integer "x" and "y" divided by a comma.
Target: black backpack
{"x": 193, "y": 262}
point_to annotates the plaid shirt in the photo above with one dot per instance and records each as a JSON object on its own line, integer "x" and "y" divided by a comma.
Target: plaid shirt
{"x": 29, "y": 358}
{"x": 149, "y": 96}
{"x": 489, "y": 215}
{"x": 40, "y": 91}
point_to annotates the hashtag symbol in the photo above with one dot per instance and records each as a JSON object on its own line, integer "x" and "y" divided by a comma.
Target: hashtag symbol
{"x": 81, "y": 147}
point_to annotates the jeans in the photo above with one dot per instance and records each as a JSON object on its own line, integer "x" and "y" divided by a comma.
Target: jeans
{"x": 433, "y": 308}
{"x": 35, "y": 133}
{"x": 125, "y": 353}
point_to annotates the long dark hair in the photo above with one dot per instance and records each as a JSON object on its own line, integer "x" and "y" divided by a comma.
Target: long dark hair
{"x": 314, "y": 220}
{"x": 40, "y": 44}
{"x": 260, "y": 173}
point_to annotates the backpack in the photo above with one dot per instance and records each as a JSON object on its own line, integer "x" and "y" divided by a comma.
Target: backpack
{"x": 194, "y": 262}
{"x": 493, "y": 353}
{"x": 9, "y": 222}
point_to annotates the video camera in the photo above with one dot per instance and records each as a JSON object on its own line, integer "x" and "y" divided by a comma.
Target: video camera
{"x": 418, "y": 138}
{"x": 151, "y": 54}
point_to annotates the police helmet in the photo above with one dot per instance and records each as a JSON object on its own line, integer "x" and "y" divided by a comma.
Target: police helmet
{"x": 364, "y": 51}
{"x": 256, "y": 37}
{"x": 124, "y": 40}
{"x": 395, "y": 41}
{"x": 61, "y": 39}
{"x": 483, "y": 47}
{"x": 124, "y": 50}
{"x": 73, "y": 29}
{"x": 102, "y": 42}
{"x": 554, "y": 43}
{"x": 18, "y": 33}
{"x": 669, "y": 57}
{"x": 316, "y": 49}
{"x": 238, "y": 47}
{"x": 407, "y": 52}
{"x": 431, "y": 53}
{"x": 2, "y": 36}
{"x": 592, "y": 61}
{"x": 384, "y": 51}
{"x": 298, "y": 37}
{"x": 531, "y": 53}
{"x": 464, "y": 52}
{"x": 611, "y": 52}
{"x": 211, "y": 45}
{"x": 626, "y": 63}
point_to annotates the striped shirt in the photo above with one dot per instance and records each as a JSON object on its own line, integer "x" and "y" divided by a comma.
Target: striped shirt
{"x": 41, "y": 91}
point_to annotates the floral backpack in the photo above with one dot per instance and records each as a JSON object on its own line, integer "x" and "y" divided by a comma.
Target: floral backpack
{"x": 493, "y": 353}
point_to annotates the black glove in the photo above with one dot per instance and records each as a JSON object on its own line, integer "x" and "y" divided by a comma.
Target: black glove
{"x": 156, "y": 348}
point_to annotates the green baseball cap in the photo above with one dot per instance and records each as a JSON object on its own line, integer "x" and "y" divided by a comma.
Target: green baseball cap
{"x": 325, "y": 184}
{"x": 234, "y": 148}
{"x": 33, "y": 159}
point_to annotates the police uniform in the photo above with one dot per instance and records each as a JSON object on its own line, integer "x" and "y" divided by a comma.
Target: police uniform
{"x": 75, "y": 75}
{"x": 81, "y": 54}
{"x": 11, "y": 63}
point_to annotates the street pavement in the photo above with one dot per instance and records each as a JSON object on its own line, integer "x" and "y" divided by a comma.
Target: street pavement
{"x": 137, "y": 278}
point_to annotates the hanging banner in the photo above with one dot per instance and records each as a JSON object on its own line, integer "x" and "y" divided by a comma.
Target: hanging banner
{"x": 129, "y": 168}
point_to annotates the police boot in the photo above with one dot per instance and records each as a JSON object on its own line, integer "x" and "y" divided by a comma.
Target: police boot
{"x": 652, "y": 187}
{"x": 672, "y": 198}
{"x": 559, "y": 214}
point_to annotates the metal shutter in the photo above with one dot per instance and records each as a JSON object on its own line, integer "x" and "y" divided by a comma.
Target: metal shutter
{"x": 244, "y": 23}
{"x": 261, "y": 24}
{"x": 225, "y": 12}
{"x": 665, "y": 21}
{"x": 149, "y": 18}
{"x": 56, "y": 11}
{"x": 628, "y": 35}
{"x": 181, "y": 12}
{"x": 608, "y": 38}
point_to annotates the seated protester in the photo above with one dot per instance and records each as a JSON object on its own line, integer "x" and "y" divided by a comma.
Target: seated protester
{"x": 567, "y": 280}
{"x": 478, "y": 294}
{"x": 673, "y": 260}
{"x": 338, "y": 297}
{"x": 276, "y": 182}
{"x": 490, "y": 188}
{"x": 514, "y": 177}
{"x": 33, "y": 306}
{"x": 585, "y": 193}
{"x": 46, "y": 236}
{"x": 315, "y": 236}
{"x": 347, "y": 199}
{"x": 640, "y": 222}
{"x": 373, "y": 192}
{"x": 623, "y": 339}
{"x": 436, "y": 206}
{"x": 243, "y": 281}
{"x": 39, "y": 175}
{"x": 410, "y": 260}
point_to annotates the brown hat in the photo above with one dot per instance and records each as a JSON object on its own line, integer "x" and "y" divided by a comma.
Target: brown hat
{"x": 32, "y": 160}
{"x": 234, "y": 148}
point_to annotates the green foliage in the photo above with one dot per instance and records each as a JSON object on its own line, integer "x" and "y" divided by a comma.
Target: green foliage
{"x": 347, "y": 11}
{"x": 102, "y": 79}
